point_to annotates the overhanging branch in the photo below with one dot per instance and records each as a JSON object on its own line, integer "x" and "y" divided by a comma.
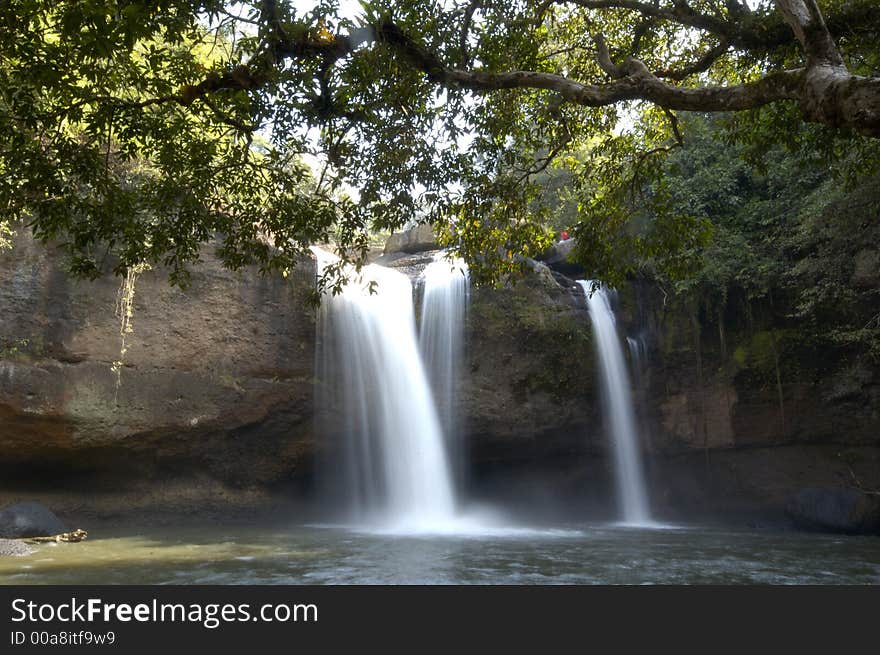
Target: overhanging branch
{"x": 821, "y": 93}
{"x": 633, "y": 82}
{"x": 740, "y": 27}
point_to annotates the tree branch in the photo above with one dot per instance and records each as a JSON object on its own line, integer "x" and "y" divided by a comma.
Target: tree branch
{"x": 232, "y": 122}
{"x": 742, "y": 29}
{"x": 466, "y": 20}
{"x": 826, "y": 94}
{"x": 808, "y": 25}
{"x": 702, "y": 64}
{"x": 544, "y": 162}
{"x": 673, "y": 123}
{"x": 637, "y": 83}
{"x": 677, "y": 12}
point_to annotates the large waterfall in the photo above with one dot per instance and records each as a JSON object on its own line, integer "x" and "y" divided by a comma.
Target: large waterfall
{"x": 441, "y": 337}
{"x": 395, "y": 469}
{"x": 618, "y": 406}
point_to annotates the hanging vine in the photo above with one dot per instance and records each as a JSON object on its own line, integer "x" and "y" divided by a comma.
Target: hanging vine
{"x": 124, "y": 312}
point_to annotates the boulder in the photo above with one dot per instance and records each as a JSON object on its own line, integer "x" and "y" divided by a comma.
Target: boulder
{"x": 29, "y": 519}
{"x": 416, "y": 239}
{"x": 556, "y": 257}
{"x": 835, "y": 509}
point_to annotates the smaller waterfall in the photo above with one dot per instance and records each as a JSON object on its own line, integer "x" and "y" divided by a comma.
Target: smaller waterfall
{"x": 637, "y": 350}
{"x": 618, "y": 406}
{"x": 638, "y": 353}
{"x": 393, "y": 459}
{"x": 441, "y": 338}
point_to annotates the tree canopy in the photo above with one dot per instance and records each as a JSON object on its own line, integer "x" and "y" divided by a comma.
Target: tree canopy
{"x": 135, "y": 131}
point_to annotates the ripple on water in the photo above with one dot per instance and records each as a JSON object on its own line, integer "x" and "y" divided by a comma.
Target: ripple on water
{"x": 479, "y": 552}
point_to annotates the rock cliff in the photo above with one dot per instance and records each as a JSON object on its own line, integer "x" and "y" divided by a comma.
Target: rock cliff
{"x": 215, "y": 383}
{"x": 213, "y": 407}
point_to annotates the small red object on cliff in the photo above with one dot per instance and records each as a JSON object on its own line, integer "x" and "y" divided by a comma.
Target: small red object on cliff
{"x": 564, "y": 235}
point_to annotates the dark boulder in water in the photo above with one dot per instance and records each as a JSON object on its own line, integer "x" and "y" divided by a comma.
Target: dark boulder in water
{"x": 835, "y": 509}
{"x": 29, "y": 520}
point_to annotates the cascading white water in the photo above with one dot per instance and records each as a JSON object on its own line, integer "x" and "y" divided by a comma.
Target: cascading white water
{"x": 617, "y": 400}
{"x": 441, "y": 337}
{"x": 394, "y": 459}
{"x": 637, "y": 350}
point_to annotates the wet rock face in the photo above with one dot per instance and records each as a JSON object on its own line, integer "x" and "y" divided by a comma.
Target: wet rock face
{"x": 207, "y": 376}
{"x": 746, "y": 392}
{"x": 557, "y": 257}
{"x": 218, "y": 380}
{"x": 29, "y": 519}
{"x": 529, "y": 376}
{"x": 866, "y": 268}
{"x": 214, "y": 403}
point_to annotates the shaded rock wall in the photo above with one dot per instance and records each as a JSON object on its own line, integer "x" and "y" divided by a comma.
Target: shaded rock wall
{"x": 216, "y": 378}
{"x": 215, "y": 406}
{"x": 530, "y": 369}
{"x": 742, "y": 410}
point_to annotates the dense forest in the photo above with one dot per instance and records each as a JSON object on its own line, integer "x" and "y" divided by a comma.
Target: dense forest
{"x": 792, "y": 228}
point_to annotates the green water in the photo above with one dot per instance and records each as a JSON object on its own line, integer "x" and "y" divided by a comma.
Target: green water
{"x": 573, "y": 554}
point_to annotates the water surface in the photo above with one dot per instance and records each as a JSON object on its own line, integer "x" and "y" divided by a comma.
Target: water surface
{"x": 571, "y": 554}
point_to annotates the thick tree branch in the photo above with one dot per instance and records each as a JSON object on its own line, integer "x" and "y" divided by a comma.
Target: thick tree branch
{"x": 630, "y": 67}
{"x": 633, "y": 82}
{"x": 702, "y": 64}
{"x": 827, "y": 93}
{"x": 681, "y": 13}
{"x": 808, "y": 26}
{"x": 466, "y": 20}
{"x": 741, "y": 28}
{"x": 830, "y": 96}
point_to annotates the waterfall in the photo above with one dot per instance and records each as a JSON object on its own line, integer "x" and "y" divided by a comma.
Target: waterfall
{"x": 618, "y": 406}
{"x": 638, "y": 352}
{"x": 441, "y": 338}
{"x": 392, "y": 459}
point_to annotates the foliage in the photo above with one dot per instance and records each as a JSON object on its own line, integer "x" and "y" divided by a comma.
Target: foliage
{"x": 12, "y": 348}
{"x": 136, "y": 131}
{"x": 788, "y": 233}
{"x": 91, "y": 157}
{"x": 6, "y": 234}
